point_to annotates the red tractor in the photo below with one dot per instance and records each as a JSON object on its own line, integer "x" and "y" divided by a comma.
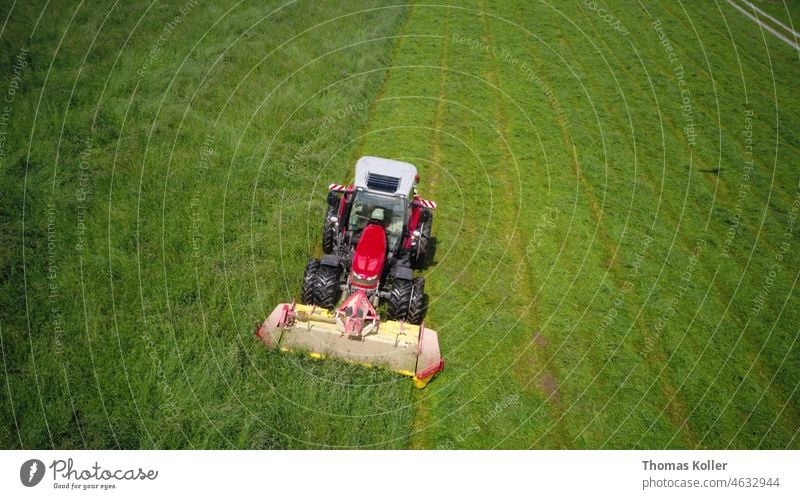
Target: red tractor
{"x": 376, "y": 232}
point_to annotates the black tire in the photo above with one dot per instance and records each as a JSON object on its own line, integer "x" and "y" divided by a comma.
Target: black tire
{"x": 309, "y": 279}
{"x": 329, "y": 231}
{"x": 421, "y": 253}
{"x": 418, "y": 303}
{"x": 326, "y": 288}
{"x": 399, "y": 299}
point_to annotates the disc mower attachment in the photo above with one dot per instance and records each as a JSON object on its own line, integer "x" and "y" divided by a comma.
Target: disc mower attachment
{"x": 354, "y": 332}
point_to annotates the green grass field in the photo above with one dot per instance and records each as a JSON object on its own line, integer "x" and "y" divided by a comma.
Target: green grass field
{"x": 617, "y": 225}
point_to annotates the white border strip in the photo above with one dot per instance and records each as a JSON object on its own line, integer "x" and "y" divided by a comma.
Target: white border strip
{"x": 400, "y": 474}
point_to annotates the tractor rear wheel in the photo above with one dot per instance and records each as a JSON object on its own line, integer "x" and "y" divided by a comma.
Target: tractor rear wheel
{"x": 417, "y": 305}
{"x": 329, "y": 231}
{"x": 309, "y": 278}
{"x": 326, "y": 288}
{"x": 399, "y": 299}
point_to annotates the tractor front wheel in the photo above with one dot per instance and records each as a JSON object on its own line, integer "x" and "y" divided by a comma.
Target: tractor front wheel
{"x": 417, "y": 305}
{"x": 399, "y": 299}
{"x": 309, "y": 279}
{"x": 326, "y": 288}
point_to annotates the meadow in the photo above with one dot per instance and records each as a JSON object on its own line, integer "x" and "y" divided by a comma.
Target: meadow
{"x": 616, "y": 232}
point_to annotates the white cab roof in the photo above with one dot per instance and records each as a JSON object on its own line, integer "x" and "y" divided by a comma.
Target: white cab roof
{"x": 385, "y": 175}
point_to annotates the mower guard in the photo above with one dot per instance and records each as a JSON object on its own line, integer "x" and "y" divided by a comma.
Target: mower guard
{"x": 407, "y": 349}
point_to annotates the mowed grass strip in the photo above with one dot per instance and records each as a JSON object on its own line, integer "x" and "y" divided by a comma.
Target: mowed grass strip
{"x": 603, "y": 294}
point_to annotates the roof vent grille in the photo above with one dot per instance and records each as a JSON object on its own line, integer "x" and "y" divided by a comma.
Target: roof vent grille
{"x": 382, "y": 183}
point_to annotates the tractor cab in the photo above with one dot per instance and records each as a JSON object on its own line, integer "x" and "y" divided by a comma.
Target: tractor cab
{"x": 382, "y": 190}
{"x": 383, "y": 194}
{"x": 370, "y": 208}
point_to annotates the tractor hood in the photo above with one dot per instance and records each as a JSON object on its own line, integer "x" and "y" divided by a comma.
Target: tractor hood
{"x": 369, "y": 257}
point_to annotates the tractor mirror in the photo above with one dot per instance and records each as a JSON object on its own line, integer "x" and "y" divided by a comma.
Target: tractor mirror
{"x": 333, "y": 199}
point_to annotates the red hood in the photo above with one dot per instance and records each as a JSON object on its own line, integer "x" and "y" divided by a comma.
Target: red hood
{"x": 370, "y": 252}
